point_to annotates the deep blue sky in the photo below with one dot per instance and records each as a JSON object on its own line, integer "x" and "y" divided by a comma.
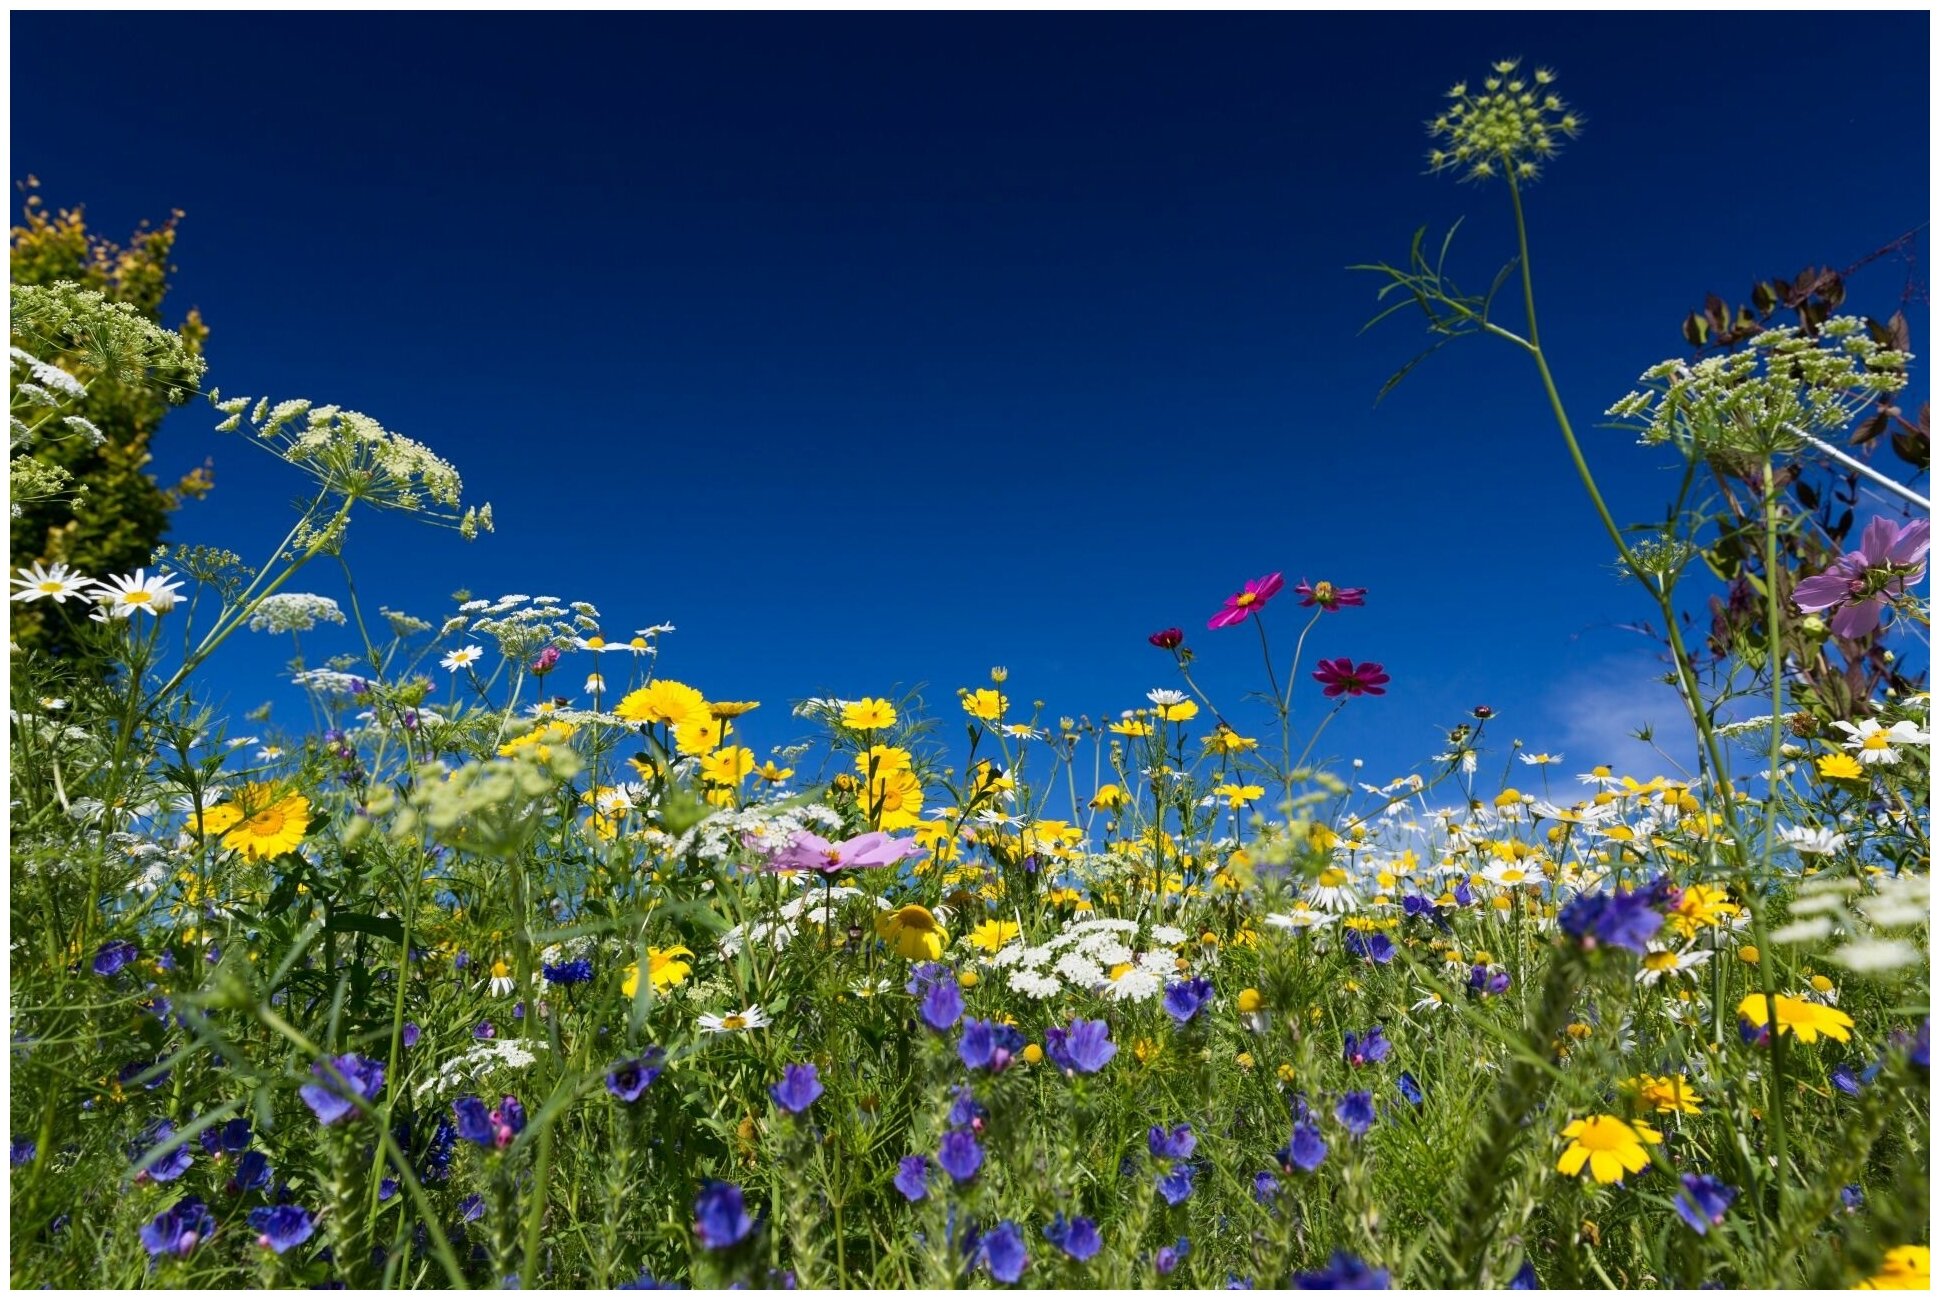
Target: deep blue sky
{"x": 876, "y": 350}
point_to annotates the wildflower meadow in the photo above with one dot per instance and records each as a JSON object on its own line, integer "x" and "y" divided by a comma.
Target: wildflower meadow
{"x": 456, "y": 985}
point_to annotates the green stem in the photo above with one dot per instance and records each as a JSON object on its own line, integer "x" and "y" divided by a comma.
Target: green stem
{"x": 1767, "y": 973}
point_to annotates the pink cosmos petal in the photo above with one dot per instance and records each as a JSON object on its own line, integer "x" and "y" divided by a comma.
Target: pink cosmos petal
{"x": 1823, "y": 590}
{"x": 1855, "y": 621}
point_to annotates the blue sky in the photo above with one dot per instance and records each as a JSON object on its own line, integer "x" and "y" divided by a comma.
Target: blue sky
{"x": 874, "y": 350}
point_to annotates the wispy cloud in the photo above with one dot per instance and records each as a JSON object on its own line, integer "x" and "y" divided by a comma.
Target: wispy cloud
{"x": 1595, "y": 713}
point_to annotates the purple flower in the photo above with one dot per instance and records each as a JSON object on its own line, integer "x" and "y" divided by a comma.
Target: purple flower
{"x": 1077, "y": 1238}
{"x": 960, "y": 1155}
{"x": 721, "y": 1216}
{"x": 1919, "y": 1046}
{"x": 168, "y": 1166}
{"x": 409, "y": 1035}
{"x": 328, "y": 1099}
{"x": 1184, "y": 998}
{"x": 1375, "y": 947}
{"x": 1525, "y": 1278}
{"x": 1176, "y": 1183}
{"x": 989, "y": 1045}
{"x": 799, "y": 1087}
{"x": 1703, "y": 1202}
{"x": 1859, "y": 583}
{"x": 1002, "y": 1252}
{"x": 942, "y": 1005}
{"x": 1169, "y": 1256}
{"x": 252, "y": 1172}
{"x": 1486, "y": 982}
{"x": 1082, "y": 1049}
{"x": 485, "y": 1029}
{"x": 1852, "y": 1197}
{"x": 1305, "y": 1150}
{"x": 569, "y": 972}
{"x": 810, "y": 852}
{"x": 471, "y": 1209}
{"x": 966, "y": 1111}
{"x": 1370, "y": 1048}
{"x": 1265, "y": 1187}
{"x": 924, "y": 974}
{"x": 1175, "y": 1145}
{"x": 913, "y": 1177}
{"x": 1409, "y": 1088}
{"x": 1344, "y": 1272}
{"x": 1844, "y": 1079}
{"x": 1623, "y": 919}
{"x": 176, "y": 1230}
{"x": 113, "y": 956}
{"x": 1355, "y": 1111}
{"x": 489, "y": 1128}
{"x": 281, "y": 1226}
{"x": 629, "y": 1079}
{"x": 221, "y": 1139}
{"x": 21, "y": 1152}
{"x": 1344, "y": 677}
{"x": 545, "y": 661}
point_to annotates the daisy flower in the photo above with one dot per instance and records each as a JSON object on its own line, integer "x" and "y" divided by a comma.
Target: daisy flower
{"x": 735, "y": 1022}
{"x": 1300, "y": 917}
{"x": 124, "y": 595}
{"x": 56, "y": 583}
{"x": 1333, "y": 892}
{"x": 502, "y": 984}
{"x": 1608, "y": 1145}
{"x": 1812, "y": 841}
{"x": 1668, "y": 963}
{"x": 463, "y": 657}
{"x": 1872, "y": 743}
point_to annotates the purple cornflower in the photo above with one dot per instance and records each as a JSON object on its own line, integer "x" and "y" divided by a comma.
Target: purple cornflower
{"x": 1002, "y": 1252}
{"x": 328, "y": 1100}
{"x": 966, "y": 1111}
{"x": 1175, "y": 1185}
{"x": 1370, "y": 1048}
{"x": 281, "y": 1226}
{"x": 989, "y": 1045}
{"x": 1077, "y": 1238}
{"x": 114, "y": 956}
{"x": 1355, "y": 1111}
{"x": 629, "y": 1079}
{"x": 1409, "y": 1088}
{"x": 942, "y": 1005}
{"x": 810, "y": 852}
{"x": 252, "y": 1172}
{"x": 471, "y": 1209}
{"x": 1623, "y": 919}
{"x": 1174, "y": 1145}
{"x": 1525, "y": 1278}
{"x": 489, "y": 1128}
{"x": 1265, "y": 1186}
{"x": 485, "y": 1029}
{"x": 21, "y": 1151}
{"x": 1082, "y": 1049}
{"x": 721, "y": 1216}
{"x": 1852, "y": 1197}
{"x": 1703, "y": 1202}
{"x": 1486, "y": 982}
{"x": 913, "y": 1177}
{"x": 176, "y": 1230}
{"x": 410, "y": 1033}
{"x": 578, "y": 971}
{"x": 960, "y": 1155}
{"x": 1305, "y": 1149}
{"x": 799, "y": 1087}
{"x": 1169, "y": 1257}
{"x": 1184, "y": 998}
{"x": 1859, "y": 583}
{"x": 1344, "y": 1272}
{"x": 923, "y": 974}
{"x": 168, "y": 1166}
{"x": 1375, "y": 947}
{"x": 1844, "y": 1079}
{"x": 221, "y": 1139}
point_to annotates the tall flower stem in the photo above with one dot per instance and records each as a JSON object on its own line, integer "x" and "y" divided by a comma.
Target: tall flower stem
{"x": 1767, "y": 974}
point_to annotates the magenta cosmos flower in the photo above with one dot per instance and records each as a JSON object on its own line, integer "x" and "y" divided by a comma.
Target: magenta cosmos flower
{"x": 1328, "y": 596}
{"x": 811, "y": 852}
{"x": 1859, "y": 583}
{"x": 1241, "y": 604}
{"x": 1344, "y": 677}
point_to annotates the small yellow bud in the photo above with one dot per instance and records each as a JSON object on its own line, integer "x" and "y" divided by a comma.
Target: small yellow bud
{"x": 1250, "y": 1001}
{"x": 968, "y": 979}
{"x": 1748, "y": 955}
{"x": 1822, "y": 984}
{"x": 1033, "y": 1054}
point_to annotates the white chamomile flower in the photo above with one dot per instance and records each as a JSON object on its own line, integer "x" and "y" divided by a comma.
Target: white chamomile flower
{"x": 1300, "y": 917}
{"x": 1812, "y": 841}
{"x": 1165, "y": 698}
{"x": 736, "y": 1022}
{"x": 1509, "y": 874}
{"x": 461, "y": 658}
{"x": 56, "y": 583}
{"x": 1668, "y": 963}
{"x": 1540, "y": 760}
{"x": 502, "y": 983}
{"x": 121, "y": 596}
{"x": 1872, "y": 743}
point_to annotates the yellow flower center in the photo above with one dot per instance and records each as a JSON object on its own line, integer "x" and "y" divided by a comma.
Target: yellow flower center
{"x": 1244, "y": 599}
{"x": 1660, "y": 961}
{"x": 1875, "y": 741}
{"x": 734, "y": 1022}
{"x": 138, "y": 597}
{"x": 1323, "y": 592}
{"x": 50, "y": 587}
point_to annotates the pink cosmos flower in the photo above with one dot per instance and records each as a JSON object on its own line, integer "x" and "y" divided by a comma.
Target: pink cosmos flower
{"x": 811, "y": 852}
{"x": 1859, "y": 583}
{"x": 1169, "y": 639}
{"x": 1343, "y": 677}
{"x": 1328, "y": 596}
{"x": 1240, "y": 605}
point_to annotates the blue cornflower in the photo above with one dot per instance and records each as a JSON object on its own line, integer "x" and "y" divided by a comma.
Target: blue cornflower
{"x": 113, "y": 956}
{"x": 1175, "y": 1145}
{"x": 471, "y": 1209}
{"x": 1376, "y": 947}
{"x": 1409, "y": 1088}
{"x": 1525, "y": 1278}
{"x": 1370, "y": 1048}
{"x": 721, "y": 1216}
{"x": 913, "y": 1177}
{"x": 942, "y": 1005}
{"x": 1344, "y": 1272}
{"x": 171, "y": 1164}
{"x": 281, "y": 1226}
{"x": 1176, "y": 1183}
{"x": 22, "y": 1151}
{"x": 960, "y": 1155}
{"x": 1305, "y": 1150}
{"x": 386, "y": 1189}
{"x": 1184, "y": 998}
{"x": 1622, "y": 919}
{"x": 327, "y": 1099}
{"x": 410, "y": 1033}
{"x": 489, "y": 1128}
{"x": 176, "y": 1230}
{"x": 1355, "y": 1111}
{"x": 799, "y": 1087}
{"x": 1703, "y": 1202}
{"x": 578, "y": 971}
{"x": 629, "y": 1079}
{"x": 1486, "y": 983}
{"x": 1265, "y": 1187}
{"x": 1844, "y": 1079}
{"x": 220, "y": 1139}
{"x": 1002, "y": 1252}
{"x": 1077, "y": 1238}
{"x": 1169, "y": 1256}
{"x": 989, "y": 1045}
{"x": 966, "y": 1110}
{"x": 1462, "y": 894}
{"x": 1082, "y": 1049}
{"x": 252, "y": 1172}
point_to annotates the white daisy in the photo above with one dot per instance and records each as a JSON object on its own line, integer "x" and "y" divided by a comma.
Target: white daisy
{"x": 123, "y": 595}
{"x": 1872, "y": 743}
{"x": 1662, "y": 963}
{"x": 1508, "y": 874}
{"x": 462, "y": 657}
{"x": 1301, "y": 917}
{"x": 1810, "y": 841}
{"x": 58, "y": 583}
{"x": 1164, "y": 698}
{"x": 1136, "y": 984}
{"x": 1540, "y": 760}
{"x": 594, "y": 684}
{"x": 736, "y": 1022}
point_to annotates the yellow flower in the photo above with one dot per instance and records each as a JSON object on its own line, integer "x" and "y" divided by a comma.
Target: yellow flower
{"x": 1905, "y": 1268}
{"x": 1183, "y": 711}
{"x": 1803, "y": 1020}
{"x": 664, "y": 701}
{"x": 1238, "y": 796}
{"x": 665, "y": 970}
{"x": 992, "y": 935}
{"x": 985, "y": 705}
{"x": 1147, "y": 1049}
{"x": 1109, "y": 797}
{"x": 883, "y": 758}
{"x": 869, "y": 715}
{"x": 968, "y": 980}
{"x": 1250, "y": 1001}
{"x": 768, "y": 771}
{"x": 1700, "y": 907}
{"x": 895, "y": 801}
{"x": 913, "y": 932}
{"x": 1668, "y": 1094}
{"x": 1227, "y": 741}
{"x": 699, "y": 734}
{"x": 1033, "y": 1054}
{"x": 1131, "y": 727}
{"x": 728, "y": 766}
{"x": 1841, "y": 767}
{"x": 539, "y": 741}
{"x": 1611, "y": 1147}
{"x": 1748, "y": 955}
{"x": 725, "y": 709}
{"x": 259, "y": 823}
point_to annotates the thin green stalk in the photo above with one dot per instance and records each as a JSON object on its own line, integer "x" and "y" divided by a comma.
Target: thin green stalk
{"x": 1767, "y": 974}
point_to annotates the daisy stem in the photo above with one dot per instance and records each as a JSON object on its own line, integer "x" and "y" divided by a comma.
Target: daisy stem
{"x": 1767, "y": 974}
